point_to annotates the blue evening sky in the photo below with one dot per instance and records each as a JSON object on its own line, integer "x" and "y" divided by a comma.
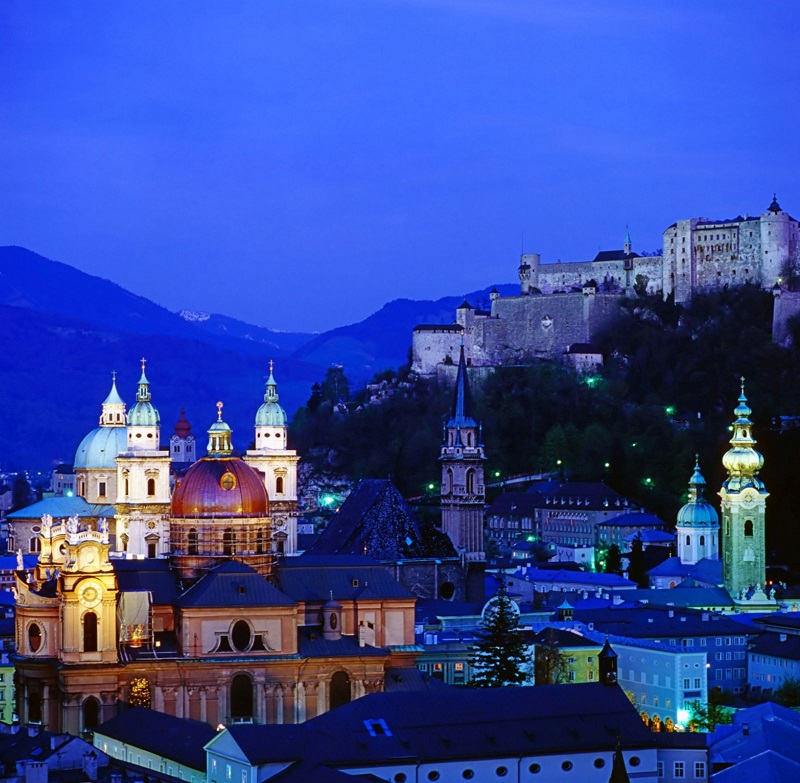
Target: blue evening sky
{"x": 297, "y": 163}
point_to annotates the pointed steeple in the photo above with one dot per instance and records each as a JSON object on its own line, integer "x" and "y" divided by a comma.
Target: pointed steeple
{"x": 742, "y": 461}
{"x": 272, "y": 416}
{"x": 462, "y": 400}
{"x": 608, "y": 664}
{"x": 697, "y": 484}
{"x": 113, "y": 414}
{"x": 774, "y": 207}
{"x": 143, "y": 413}
{"x": 627, "y": 245}
{"x": 619, "y": 773}
{"x": 271, "y": 394}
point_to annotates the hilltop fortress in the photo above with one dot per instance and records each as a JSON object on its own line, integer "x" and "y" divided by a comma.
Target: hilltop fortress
{"x": 564, "y": 304}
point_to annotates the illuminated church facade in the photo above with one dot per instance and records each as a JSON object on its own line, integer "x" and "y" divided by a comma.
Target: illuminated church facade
{"x": 176, "y": 603}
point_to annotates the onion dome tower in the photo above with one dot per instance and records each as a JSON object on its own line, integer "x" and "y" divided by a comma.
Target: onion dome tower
{"x": 744, "y": 499}
{"x": 95, "y": 459}
{"x": 220, "y": 510}
{"x": 143, "y": 490}
{"x": 697, "y": 524}
{"x": 463, "y": 496}
{"x": 272, "y": 458}
{"x": 182, "y": 444}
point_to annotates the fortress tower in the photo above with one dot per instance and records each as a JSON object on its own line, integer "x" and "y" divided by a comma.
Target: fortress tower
{"x": 462, "y": 458}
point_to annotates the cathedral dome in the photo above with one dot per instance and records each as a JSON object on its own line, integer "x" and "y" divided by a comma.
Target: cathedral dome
{"x": 270, "y": 414}
{"x": 100, "y": 448}
{"x": 182, "y": 427}
{"x": 143, "y": 413}
{"x": 698, "y": 514}
{"x": 226, "y": 488}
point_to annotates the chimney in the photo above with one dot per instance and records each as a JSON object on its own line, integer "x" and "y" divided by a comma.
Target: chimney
{"x": 33, "y": 730}
{"x": 745, "y": 729}
{"x": 90, "y": 765}
{"x": 782, "y": 637}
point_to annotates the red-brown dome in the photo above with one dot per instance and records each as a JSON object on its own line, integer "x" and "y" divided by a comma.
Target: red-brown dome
{"x": 182, "y": 426}
{"x": 220, "y": 488}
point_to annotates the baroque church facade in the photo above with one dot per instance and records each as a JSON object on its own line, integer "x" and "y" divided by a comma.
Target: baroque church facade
{"x": 175, "y": 601}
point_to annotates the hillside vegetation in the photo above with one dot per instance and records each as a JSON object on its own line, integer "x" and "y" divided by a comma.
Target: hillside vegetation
{"x": 667, "y": 391}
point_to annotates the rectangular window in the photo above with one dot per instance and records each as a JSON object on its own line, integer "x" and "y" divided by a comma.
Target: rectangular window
{"x": 679, "y": 769}
{"x": 717, "y": 674}
{"x": 702, "y": 642}
{"x": 699, "y": 769}
{"x": 244, "y": 776}
{"x": 687, "y": 683}
{"x": 572, "y": 676}
{"x": 459, "y": 667}
{"x": 696, "y": 682}
{"x": 101, "y": 488}
{"x": 591, "y": 674}
{"x": 228, "y": 772}
{"x": 660, "y": 767}
{"x": 718, "y": 656}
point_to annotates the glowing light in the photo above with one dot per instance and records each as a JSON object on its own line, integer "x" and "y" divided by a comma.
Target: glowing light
{"x": 497, "y": 474}
{"x": 592, "y": 381}
{"x": 69, "y": 493}
{"x": 670, "y": 410}
{"x": 327, "y": 500}
{"x": 683, "y": 716}
{"x": 431, "y": 486}
{"x": 607, "y": 465}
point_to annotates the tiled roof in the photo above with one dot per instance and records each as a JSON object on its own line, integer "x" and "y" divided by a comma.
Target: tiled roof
{"x": 235, "y": 585}
{"x": 311, "y": 644}
{"x": 349, "y": 578}
{"x": 151, "y": 574}
{"x": 770, "y": 644}
{"x": 514, "y": 504}
{"x": 61, "y": 508}
{"x": 179, "y": 739}
{"x": 636, "y": 519}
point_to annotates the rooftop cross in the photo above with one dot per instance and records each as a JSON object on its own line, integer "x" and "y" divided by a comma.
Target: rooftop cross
{"x": 144, "y": 362}
{"x": 219, "y": 411}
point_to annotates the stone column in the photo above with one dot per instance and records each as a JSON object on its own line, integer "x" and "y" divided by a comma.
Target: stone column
{"x": 203, "y": 706}
{"x": 310, "y": 687}
{"x": 300, "y": 702}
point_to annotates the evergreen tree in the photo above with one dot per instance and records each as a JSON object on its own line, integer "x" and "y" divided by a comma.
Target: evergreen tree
{"x": 551, "y": 663}
{"x": 636, "y": 569}
{"x": 500, "y": 656}
{"x": 614, "y": 560}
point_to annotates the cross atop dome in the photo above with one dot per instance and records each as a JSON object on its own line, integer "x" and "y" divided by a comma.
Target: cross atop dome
{"x": 220, "y": 406}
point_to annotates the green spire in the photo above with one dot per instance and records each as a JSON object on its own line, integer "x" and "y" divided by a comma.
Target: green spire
{"x": 143, "y": 392}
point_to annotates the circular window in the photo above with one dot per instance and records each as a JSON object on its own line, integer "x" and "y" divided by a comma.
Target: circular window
{"x": 599, "y": 763}
{"x": 240, "y": 635}
{"x": 535, "y": 769}
{"x": 400, "y": 777}
{"x": 433, "y": 775}
{"x": 467, "y": 774}
{"x": 566, "y": 766}
{"x": 634, "y": 761}
{"x": 501, "y": 772}
{"x": 228, "y": 481}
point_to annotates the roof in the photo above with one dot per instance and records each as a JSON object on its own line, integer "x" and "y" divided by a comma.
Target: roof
{"x": 309, "y": 578}
{"x": 101, "y": 447}
{"x": 62, "y": 507}
{"x": 235, "y": 585}
{"x": 461, "y": 415}
{"x": 151, "y": 574}
{"x": 376, "y": 520}
{"x": 651, "y": 536}
{"x": 180, "y": 739}
{"x": 777, "y": 645}
{"x": 594, "y": 495}
{"x": 684, "y": 596}
{"x": 766, "y": 767}
{"x": 614, "y": 255}
{"x": 556, "y": 637}
{"x": 589, "y": 578}
{"x": 311, "y": 644}
{"x": 454, "y": 327}
{"x": 514, "y": 504}
{"x": 637, "y": 519}
{"x": 583, "y": 348}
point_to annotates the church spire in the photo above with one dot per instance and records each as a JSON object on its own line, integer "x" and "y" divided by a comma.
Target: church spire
{"x": 113, "y": 414}
{"x": 271, "y": 394}
{"x": 462, "y": 399}
{"x": 219, "y": 437}
{"x": 627, "y": 244}
{"x": 742, "y": 461}
{"x": 143, "y": 392}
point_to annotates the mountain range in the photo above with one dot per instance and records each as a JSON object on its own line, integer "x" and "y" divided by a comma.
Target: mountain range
{"x": 65, "y": 331}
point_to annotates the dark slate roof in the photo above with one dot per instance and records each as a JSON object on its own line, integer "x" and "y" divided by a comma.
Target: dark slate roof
{"x": 684, "y": 596}
{"x": 180, "y": 739}
{"x": 311, "y": 644}
{"x": 309, "y": 578}
{"x": 556, "y": 637}
{"x": 770, "y": 644}
{"x": 653, "y": 622}
{"x": 376, "y": 520}
{"x": 638, "y": 519}
{"x": 19, "y": 746}
{"x": 276, "y": 742}
{"x": 454, "y": 327}
{"x": 594, "y": 496}
{"x": 431, "y": 609}
{"x": 410, "y": 678}
{"x": 151, "y": 574}
{"x": 235, "y": 585}
{"x": 583, "y": 348}
{"x": 614, "y": 255}
{"x": 514, "y": 504}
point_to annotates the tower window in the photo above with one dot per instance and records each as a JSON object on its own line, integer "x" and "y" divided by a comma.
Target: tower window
{"x": 688, "y": 540}
{"x": 279, "y": 485}
{"x": 90, "y": 632}
{"x": 470, "y": 482}
{"x": 228, "y": 542}
{"x": 101, "y": 488}
{"x": 192, "y": 542}
{"x": 702, "y": 540}
{"x": 151, "y": 487}
{"x": 748, "y": 528}
{"x": 34, "y": 637}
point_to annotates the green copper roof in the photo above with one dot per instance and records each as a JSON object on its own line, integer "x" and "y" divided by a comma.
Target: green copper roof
{"x": 99, "y": 449}
{"x": 113, "y": 396}
{"x": 144, "y": 413}
{"x": 270, "y": 414}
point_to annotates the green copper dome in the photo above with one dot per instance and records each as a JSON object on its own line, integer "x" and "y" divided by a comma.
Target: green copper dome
{"x": 270, "y": 414}
{"x": 99, "y": 449}
{"x": 698, "y": 512}
{"x": 143, "y": 413}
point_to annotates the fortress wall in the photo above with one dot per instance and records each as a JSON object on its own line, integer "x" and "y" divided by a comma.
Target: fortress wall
{"x": 429, "y": 347}
{"x": 785, "y": 306}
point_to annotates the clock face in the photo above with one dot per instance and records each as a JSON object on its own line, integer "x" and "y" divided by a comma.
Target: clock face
{"x": 90, "y": 595}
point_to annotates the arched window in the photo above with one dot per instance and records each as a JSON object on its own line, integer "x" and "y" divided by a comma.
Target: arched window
{"x": 259, "y": 542}
{"x": 127, "y": 487}
{"x": 340, "y": 689}
{"x": 34, "y": 637}
{"x": 748, "y": 527}
{"x": 702, "y": 540}
{"x": 34, "y": 706}
{"x": 228, "y": 542}
{"x": 279, "y": 485}
{"x": 91, "y": 713}
{"x": 35, "y": 544}
{"x": 90, "y": 632}
{"x": 449, "y": 483}
{"x": 241, "y": 698}
{"x": 139, "y": 692}
{"x": 469, "y": 439}
{"x": 470, "y": 482}
{"x": 151, "y": 487}
{"x": 192, "y": 541}
{"x": 124, "y": 541}
{"x": 688, "y": 540}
